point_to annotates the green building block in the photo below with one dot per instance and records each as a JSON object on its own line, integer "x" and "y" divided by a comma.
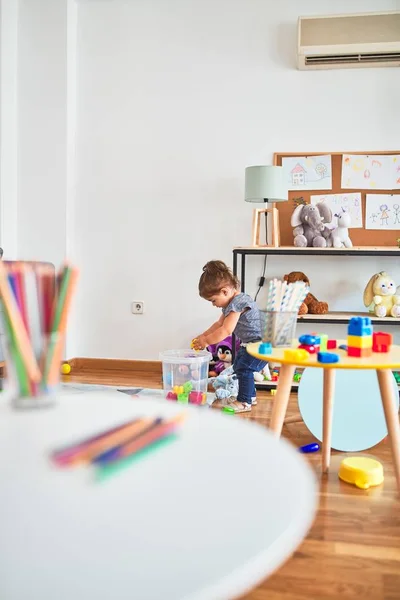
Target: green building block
{"x": 183, "y": 398}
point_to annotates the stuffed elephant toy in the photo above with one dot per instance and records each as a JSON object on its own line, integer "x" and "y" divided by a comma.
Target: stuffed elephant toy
{"x": 226, "y": 385}
{"x": 310, "y": 225}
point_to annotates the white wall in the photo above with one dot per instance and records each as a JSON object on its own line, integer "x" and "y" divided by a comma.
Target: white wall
{"x": 174, "y": 99}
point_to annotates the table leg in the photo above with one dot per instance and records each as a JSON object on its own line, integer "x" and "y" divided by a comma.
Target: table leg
{"x": 385, "y": 380}
{"x": 329, "y": 392}
{"x": 282, "y": 398}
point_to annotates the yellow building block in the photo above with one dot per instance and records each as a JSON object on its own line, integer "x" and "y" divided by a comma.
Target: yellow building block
{"x": 296, "y": 355}
{"x": 359, "y": 341}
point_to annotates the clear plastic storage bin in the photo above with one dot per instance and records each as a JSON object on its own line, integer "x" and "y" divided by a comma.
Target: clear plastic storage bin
{"x": 185, "y": 375}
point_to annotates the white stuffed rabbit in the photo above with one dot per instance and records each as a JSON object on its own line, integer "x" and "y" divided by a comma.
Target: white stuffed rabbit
{"x": 340, "y": 235}
{"x": 380, "y": 292}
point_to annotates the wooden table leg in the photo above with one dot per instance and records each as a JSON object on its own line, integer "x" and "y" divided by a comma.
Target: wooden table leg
{"x": 385, "y": 380}
{"x": 329, "y": 392}
{"x": 282, "y": 398}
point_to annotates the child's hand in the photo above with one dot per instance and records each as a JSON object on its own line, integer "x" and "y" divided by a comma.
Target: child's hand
{"x": 199, "y": 343}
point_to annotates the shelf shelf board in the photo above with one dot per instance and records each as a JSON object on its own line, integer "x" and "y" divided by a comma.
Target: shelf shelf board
{"x": 338, "y": 318}
{"x": 292, "y": 250}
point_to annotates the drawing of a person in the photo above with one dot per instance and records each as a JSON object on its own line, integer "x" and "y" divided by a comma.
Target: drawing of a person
{"x": 374, "y": 217}
{"x": 384, "y": 214}
{"x": 396, "y": 209}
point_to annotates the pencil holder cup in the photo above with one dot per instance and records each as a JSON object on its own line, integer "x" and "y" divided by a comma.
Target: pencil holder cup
{"x": 30, "y": 390}
{"x": 279, "y": 327}
{"x": 185, "y": 375}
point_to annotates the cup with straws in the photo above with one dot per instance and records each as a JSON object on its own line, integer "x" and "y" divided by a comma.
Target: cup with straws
{"x": 280, "y": 317}
{"x": 35, "y": 307}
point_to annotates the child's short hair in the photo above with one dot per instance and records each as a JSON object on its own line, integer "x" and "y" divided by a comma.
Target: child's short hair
{"x": 216, "y": 275}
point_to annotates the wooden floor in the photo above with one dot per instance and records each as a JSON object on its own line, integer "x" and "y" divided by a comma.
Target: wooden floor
{"x": 353, "y": 548}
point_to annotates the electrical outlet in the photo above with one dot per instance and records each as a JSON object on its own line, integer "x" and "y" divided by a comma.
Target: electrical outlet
{"x": 137, "y": 308}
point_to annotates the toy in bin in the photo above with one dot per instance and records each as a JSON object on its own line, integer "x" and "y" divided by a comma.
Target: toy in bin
{"x": 185, "y": 375}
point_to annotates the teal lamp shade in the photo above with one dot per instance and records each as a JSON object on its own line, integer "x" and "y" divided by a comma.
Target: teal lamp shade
{"x": 265, "y": 184}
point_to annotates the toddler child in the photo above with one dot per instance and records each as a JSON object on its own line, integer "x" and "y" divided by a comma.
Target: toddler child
{"x": 241, "y": 316}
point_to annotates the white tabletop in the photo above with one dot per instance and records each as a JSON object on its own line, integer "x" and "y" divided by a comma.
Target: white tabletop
{"x": 204, "y": 518}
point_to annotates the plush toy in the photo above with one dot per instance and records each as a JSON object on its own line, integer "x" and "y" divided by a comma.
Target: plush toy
{"x": 222, "y": 355}
{"x": 310, "y": 225}
{"x": 340, "y": 235}
{"x": 380, "y": 295}
{"x": 226, "y": 385}
{"x": 310, "y": 305}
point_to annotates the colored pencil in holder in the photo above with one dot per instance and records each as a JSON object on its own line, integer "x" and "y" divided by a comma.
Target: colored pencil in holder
{"x": 35, "y": 317}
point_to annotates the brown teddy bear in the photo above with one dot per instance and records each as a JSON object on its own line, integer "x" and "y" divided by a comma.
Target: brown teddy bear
{"x": 311, "y": 304}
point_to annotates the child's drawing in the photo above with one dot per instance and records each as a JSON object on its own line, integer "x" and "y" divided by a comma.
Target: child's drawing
{"x": 382, "y": 212}
{"x": 350, "y": 202}
{"x": 308, "y": 172}
{"x": 365, "y": 172}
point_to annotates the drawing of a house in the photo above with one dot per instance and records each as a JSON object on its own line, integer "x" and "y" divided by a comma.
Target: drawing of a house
{"x": 298, "y": 174}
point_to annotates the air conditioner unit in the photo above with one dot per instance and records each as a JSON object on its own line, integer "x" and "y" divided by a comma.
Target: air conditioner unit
{"x": 349, "y": 41}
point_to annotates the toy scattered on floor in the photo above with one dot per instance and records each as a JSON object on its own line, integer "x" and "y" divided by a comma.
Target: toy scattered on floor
{"x": 327, "y": 358}
{"x": 340, "y": 235}
{"x": 229, "y": 410}
{"x": 226, "y": 385}
{"x": 396, "y": 375}
{"x": 308, "y": 448}
{"x": 65, "y": 369}
{"x": 273, "y": 392}
{"x": 263, "y": 375}
{"x": 297, "y": 377}
{"x": 361, "y": 471}
{"x": 381, "y": 342}
{"x": 309, "y": 224}
{"x": 222, "y": 355}
{"x": 359, "y": 338}
{"x": 310, "y": 304}
{"x": 298, "y": 355}
{"x": 380, "y": 296}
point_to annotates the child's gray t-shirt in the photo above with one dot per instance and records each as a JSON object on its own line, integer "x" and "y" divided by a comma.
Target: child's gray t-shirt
{"x": 248, "y": 328}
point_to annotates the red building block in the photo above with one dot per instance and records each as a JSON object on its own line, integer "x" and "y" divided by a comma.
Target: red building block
{"x": 331, "y": 344}
{"x": 359, "y": 352}
{"x": 381, "y": 342}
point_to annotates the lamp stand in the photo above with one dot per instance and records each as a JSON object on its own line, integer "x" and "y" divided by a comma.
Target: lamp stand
{"x": 255, "y": 236}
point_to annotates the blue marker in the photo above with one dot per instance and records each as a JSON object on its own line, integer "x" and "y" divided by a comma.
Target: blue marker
{"x": 309, "y": 448}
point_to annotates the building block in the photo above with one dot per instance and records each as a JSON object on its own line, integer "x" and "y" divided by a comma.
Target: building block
{"x": 359, "y": 341}
{"x": 265, "y": 348}
{"x": 327, "y": 357}
{"x": 183, "y": 398}
{"x": 196, "y": 397}
{"x": 310, "y": 349}
{"x": 309, "y": 340}
{"x": 296, "y": 355}
{"x": 324, "y": 342}
{"x": 273, "y": 392}
{"x": 381, "y": 341}
{"x": 360, "y": 326}
{"x": 331, "y": 344}
{"x": 359, "y": 352}
{"x": 172, "y": 396}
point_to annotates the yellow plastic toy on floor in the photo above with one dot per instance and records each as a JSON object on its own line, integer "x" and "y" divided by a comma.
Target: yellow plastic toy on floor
{"x": 361, "y": 471}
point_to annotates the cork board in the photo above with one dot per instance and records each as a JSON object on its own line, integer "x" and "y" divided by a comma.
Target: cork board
{"x": 359, "y": 237}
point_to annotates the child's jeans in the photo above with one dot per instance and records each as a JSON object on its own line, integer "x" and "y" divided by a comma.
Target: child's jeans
{"x": 244, "y": 366}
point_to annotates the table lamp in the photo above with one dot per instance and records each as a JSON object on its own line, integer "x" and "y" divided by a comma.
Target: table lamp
{"x": 265, "y": 184}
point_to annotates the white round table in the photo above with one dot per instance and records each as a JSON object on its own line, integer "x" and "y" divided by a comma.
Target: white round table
{"x": 206, "y": 517}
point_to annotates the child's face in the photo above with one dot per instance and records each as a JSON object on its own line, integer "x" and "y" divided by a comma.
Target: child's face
{"x": 222, "y": 299}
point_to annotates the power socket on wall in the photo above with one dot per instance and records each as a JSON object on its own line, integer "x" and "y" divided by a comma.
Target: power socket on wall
{"x": 137, "y": 308}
